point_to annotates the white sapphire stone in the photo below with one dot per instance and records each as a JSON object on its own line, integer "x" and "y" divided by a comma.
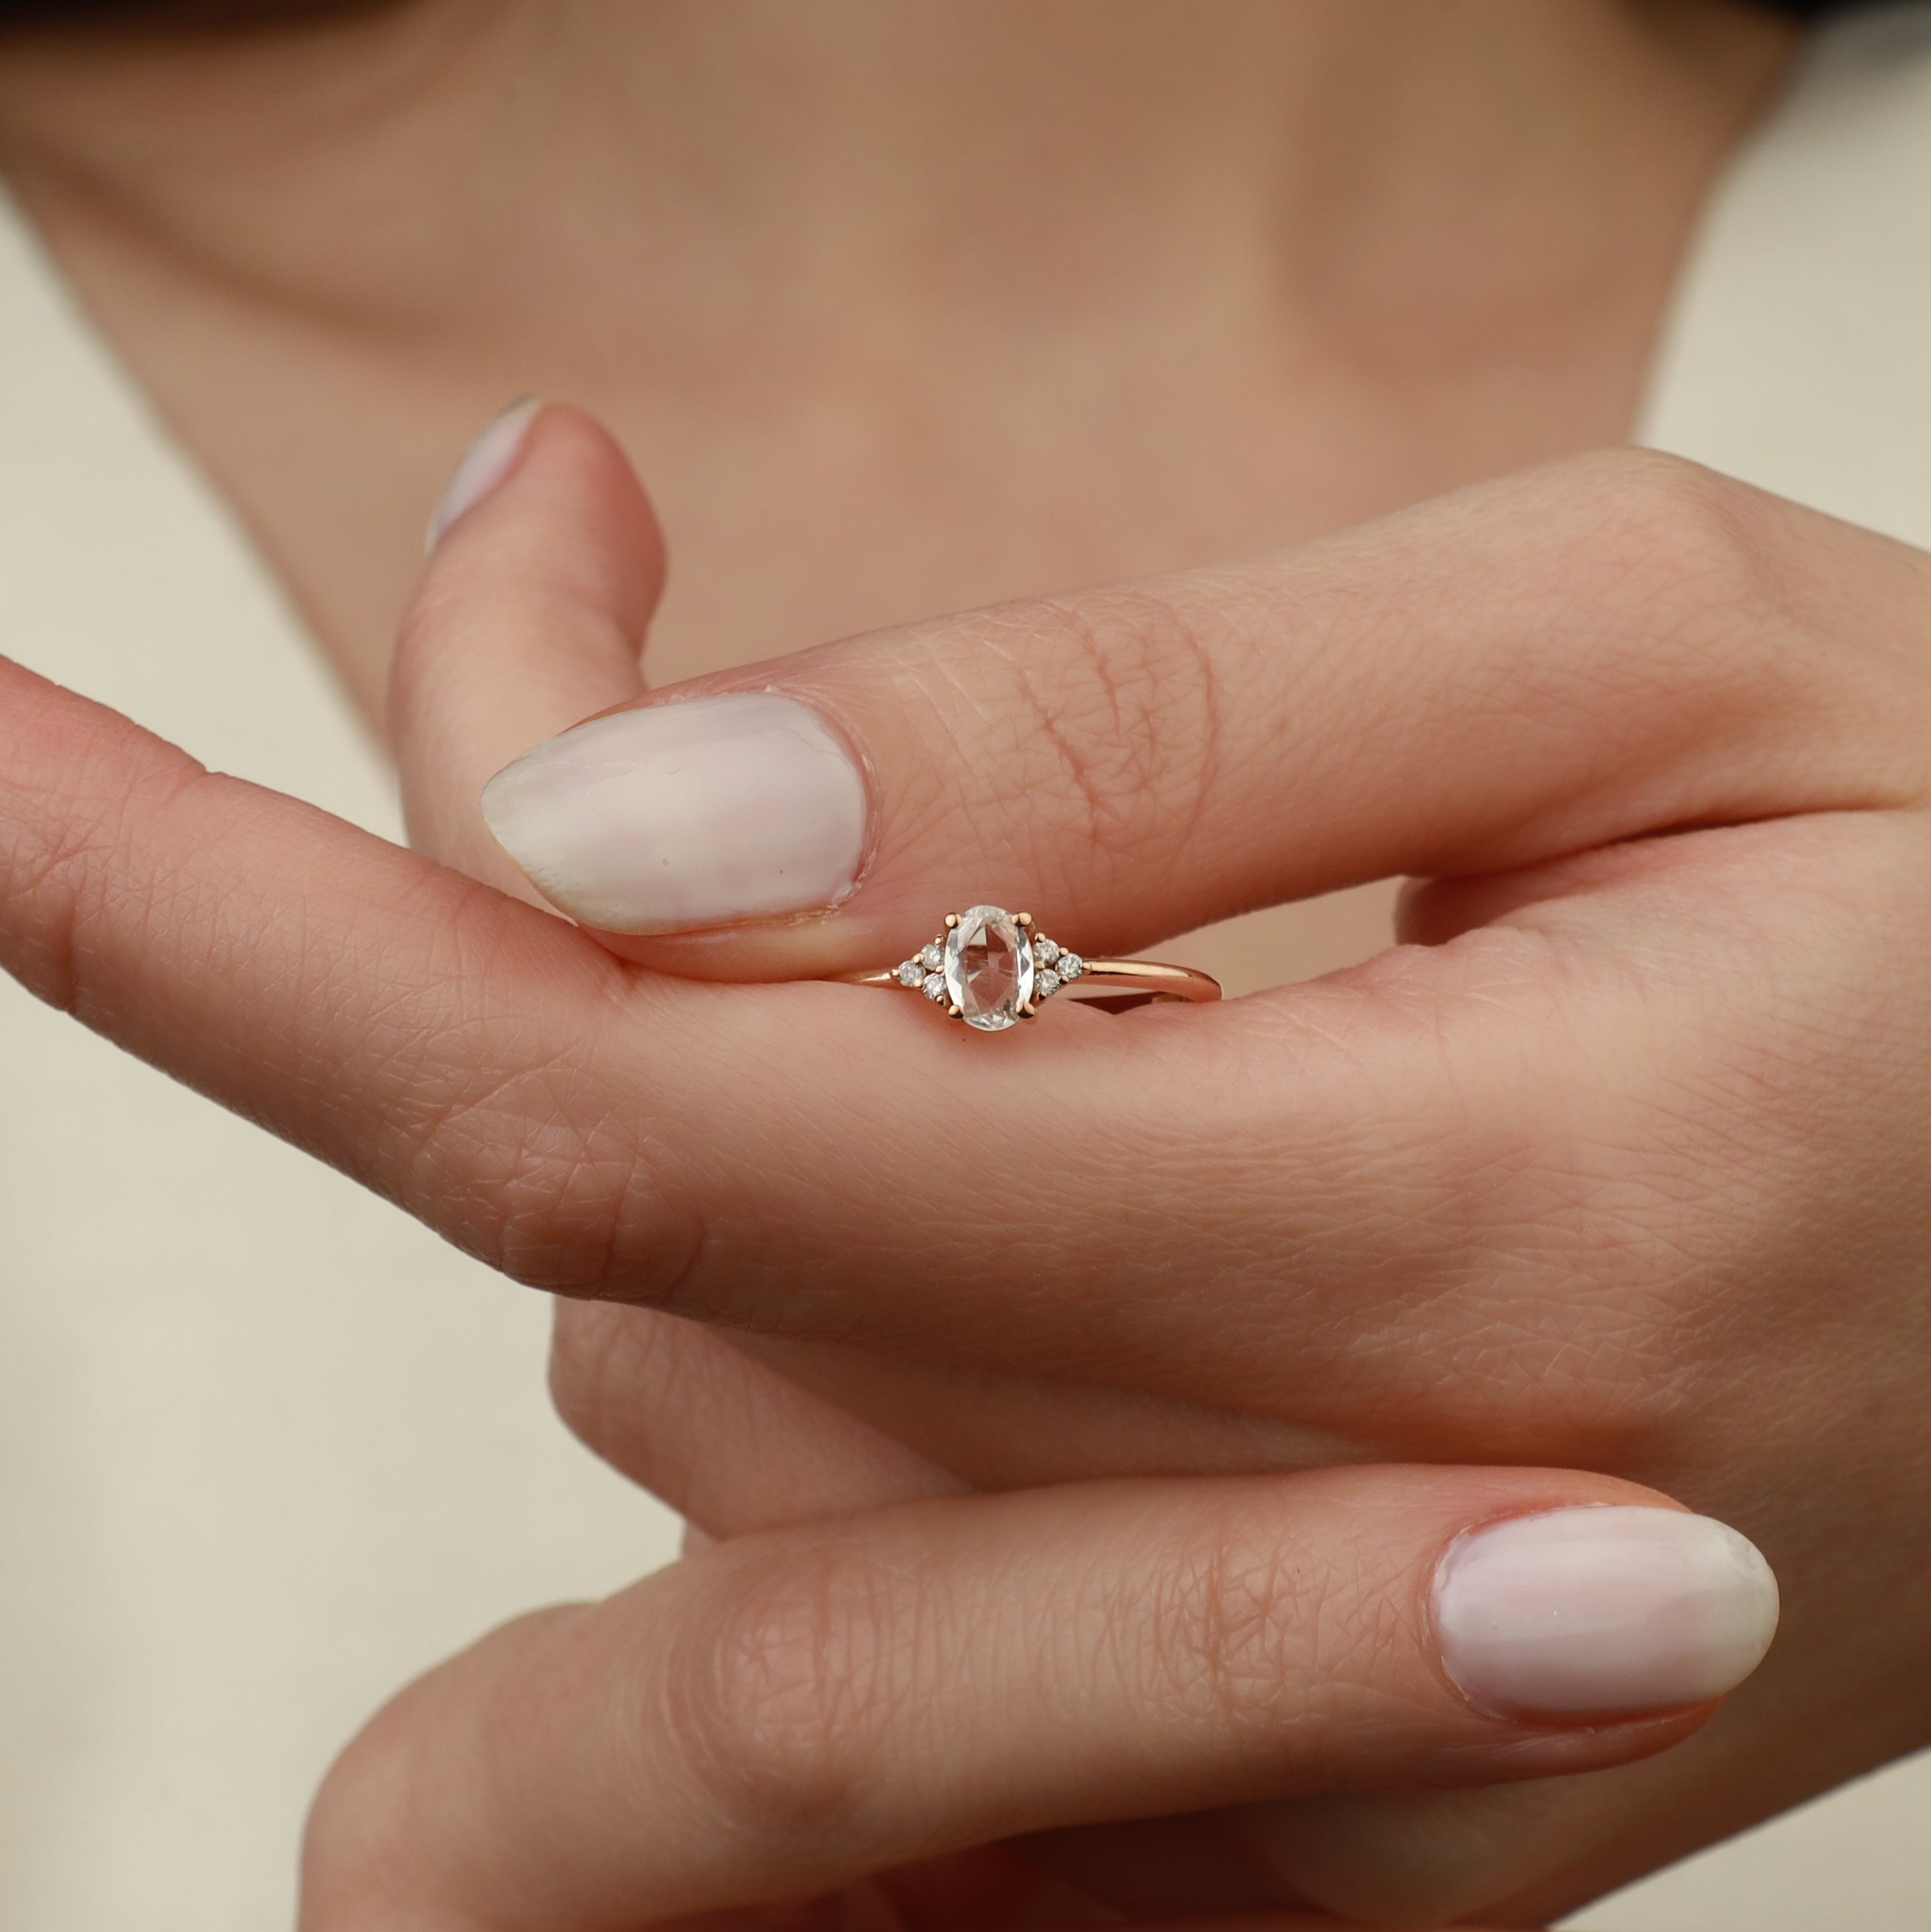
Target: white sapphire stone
{"x": 911, "y": 973}
{"x": 989, "y": 968}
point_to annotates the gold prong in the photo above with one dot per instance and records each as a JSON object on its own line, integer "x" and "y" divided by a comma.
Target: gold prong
{"x": 955, "y": 1012}
{"x": 1022, "y": 919}
{"x": 1029, "y": 1010}
{"x": 952, "y": 920}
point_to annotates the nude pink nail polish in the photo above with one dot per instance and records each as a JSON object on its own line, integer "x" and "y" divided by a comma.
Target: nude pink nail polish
{"x": 485, "y": 463}
{"x": 1594, "y": 1611}
{"x": 669, "y": 818}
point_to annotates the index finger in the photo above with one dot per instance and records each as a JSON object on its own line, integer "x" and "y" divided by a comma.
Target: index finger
{"x": 583, "y": 1124}
{"x": 789, "y": 1157}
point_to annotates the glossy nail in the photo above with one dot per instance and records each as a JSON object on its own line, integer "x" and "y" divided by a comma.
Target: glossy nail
{"x": 1593, "y": 1612}
{"x": 678, "y": 816}
{"x": 485, "y": 463}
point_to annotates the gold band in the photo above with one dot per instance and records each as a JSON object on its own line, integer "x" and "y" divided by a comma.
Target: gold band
{"x": 1103, "y": 978}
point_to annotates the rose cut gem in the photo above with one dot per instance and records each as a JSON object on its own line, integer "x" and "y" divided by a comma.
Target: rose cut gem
{"x": 989, "y": 968}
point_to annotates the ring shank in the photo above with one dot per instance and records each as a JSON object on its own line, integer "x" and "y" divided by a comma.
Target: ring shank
{"x": 1140, "y": 979}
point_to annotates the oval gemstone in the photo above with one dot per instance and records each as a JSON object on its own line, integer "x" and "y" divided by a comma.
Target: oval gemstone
{"x": 989, "y": 968}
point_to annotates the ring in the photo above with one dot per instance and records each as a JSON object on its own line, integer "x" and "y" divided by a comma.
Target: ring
{"x": 991, "y": 969}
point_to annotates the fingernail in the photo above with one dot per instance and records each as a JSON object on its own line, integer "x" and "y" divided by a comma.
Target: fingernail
{"x": 485, "y": 463}
{"x": 1589, "y": 1611}
{"x": 682, "y": 815}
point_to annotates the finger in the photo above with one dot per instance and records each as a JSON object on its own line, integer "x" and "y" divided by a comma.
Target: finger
{"x": 733, "y": 1446}
{"x": 529, "y": 617}
{"x": 369, "y": 1007}
{"x": 749, "y": 1432}
{"x": 775, "y": 1718}
{"x": 489, "y": 1068}
{"x": 1577, "y": 655}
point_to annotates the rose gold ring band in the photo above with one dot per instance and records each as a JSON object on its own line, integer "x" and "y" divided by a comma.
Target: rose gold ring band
{"x": 992, "y": 969}
{"x": 1103, "y": 978}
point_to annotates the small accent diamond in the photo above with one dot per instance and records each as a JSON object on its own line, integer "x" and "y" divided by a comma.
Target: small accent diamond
{"x": 1071, "y": 965}
{"x": 1044, "y": 952}
{"x": 911, "y": 973}
{"x": 933, "y": 957}
{"x": 935, "y": 987}
{"x": 1047, "y": 984}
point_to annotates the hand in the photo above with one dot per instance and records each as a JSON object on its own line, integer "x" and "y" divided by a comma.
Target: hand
{"x": 1359, "y": 1243}
{"x": 1591, "y": 1181}
{"x": 852, "y": 1714}
{"x": 1077, "y": 1657}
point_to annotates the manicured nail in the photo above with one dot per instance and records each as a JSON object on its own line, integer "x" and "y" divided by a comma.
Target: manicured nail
{"x": 1591, "y": 1611}
{"x": 682, "y": 815}
{"x": 485, "y": 463}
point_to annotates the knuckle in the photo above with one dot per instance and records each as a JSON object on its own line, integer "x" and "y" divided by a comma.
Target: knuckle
{"x": 585, "y": 1212}
{"x": 1229, "y": 1626}
{"x": 626, "y": 1381}
{"x": 1700, "y": 530}
{"x": 591, "y": 1355}
{"x": 408, "y": 1825}
{"x": 1684, "y": 544}
{"x": 536, "y": 1167}
{"x": 1711, "y": 597}
{"x": 1117, "y": 699}
{"x": 787, "y": 1682}
{"x": 357, "y": 1851}
{"x": 73, "y": 900}
{"x": 1743, "y": 607}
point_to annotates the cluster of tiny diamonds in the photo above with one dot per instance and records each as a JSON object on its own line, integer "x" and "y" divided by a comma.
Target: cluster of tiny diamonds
{"x": 923, "y": 972}
{"x": 1053, "y": 967}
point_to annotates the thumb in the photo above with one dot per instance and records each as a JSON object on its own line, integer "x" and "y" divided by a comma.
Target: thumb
{"x": 545, "y": 569}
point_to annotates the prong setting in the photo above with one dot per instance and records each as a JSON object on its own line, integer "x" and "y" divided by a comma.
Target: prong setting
{"x": 989, "y": 967}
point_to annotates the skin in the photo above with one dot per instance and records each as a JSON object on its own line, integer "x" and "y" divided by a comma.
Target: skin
{"x": 211, "y": 200}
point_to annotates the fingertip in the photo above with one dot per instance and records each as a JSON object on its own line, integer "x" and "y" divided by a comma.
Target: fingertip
{"x": 1604, "y": 1611}
{"x": 551, "y": 486}
{"x": 529, "y": 616}
{"x": 483, "y": 466}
